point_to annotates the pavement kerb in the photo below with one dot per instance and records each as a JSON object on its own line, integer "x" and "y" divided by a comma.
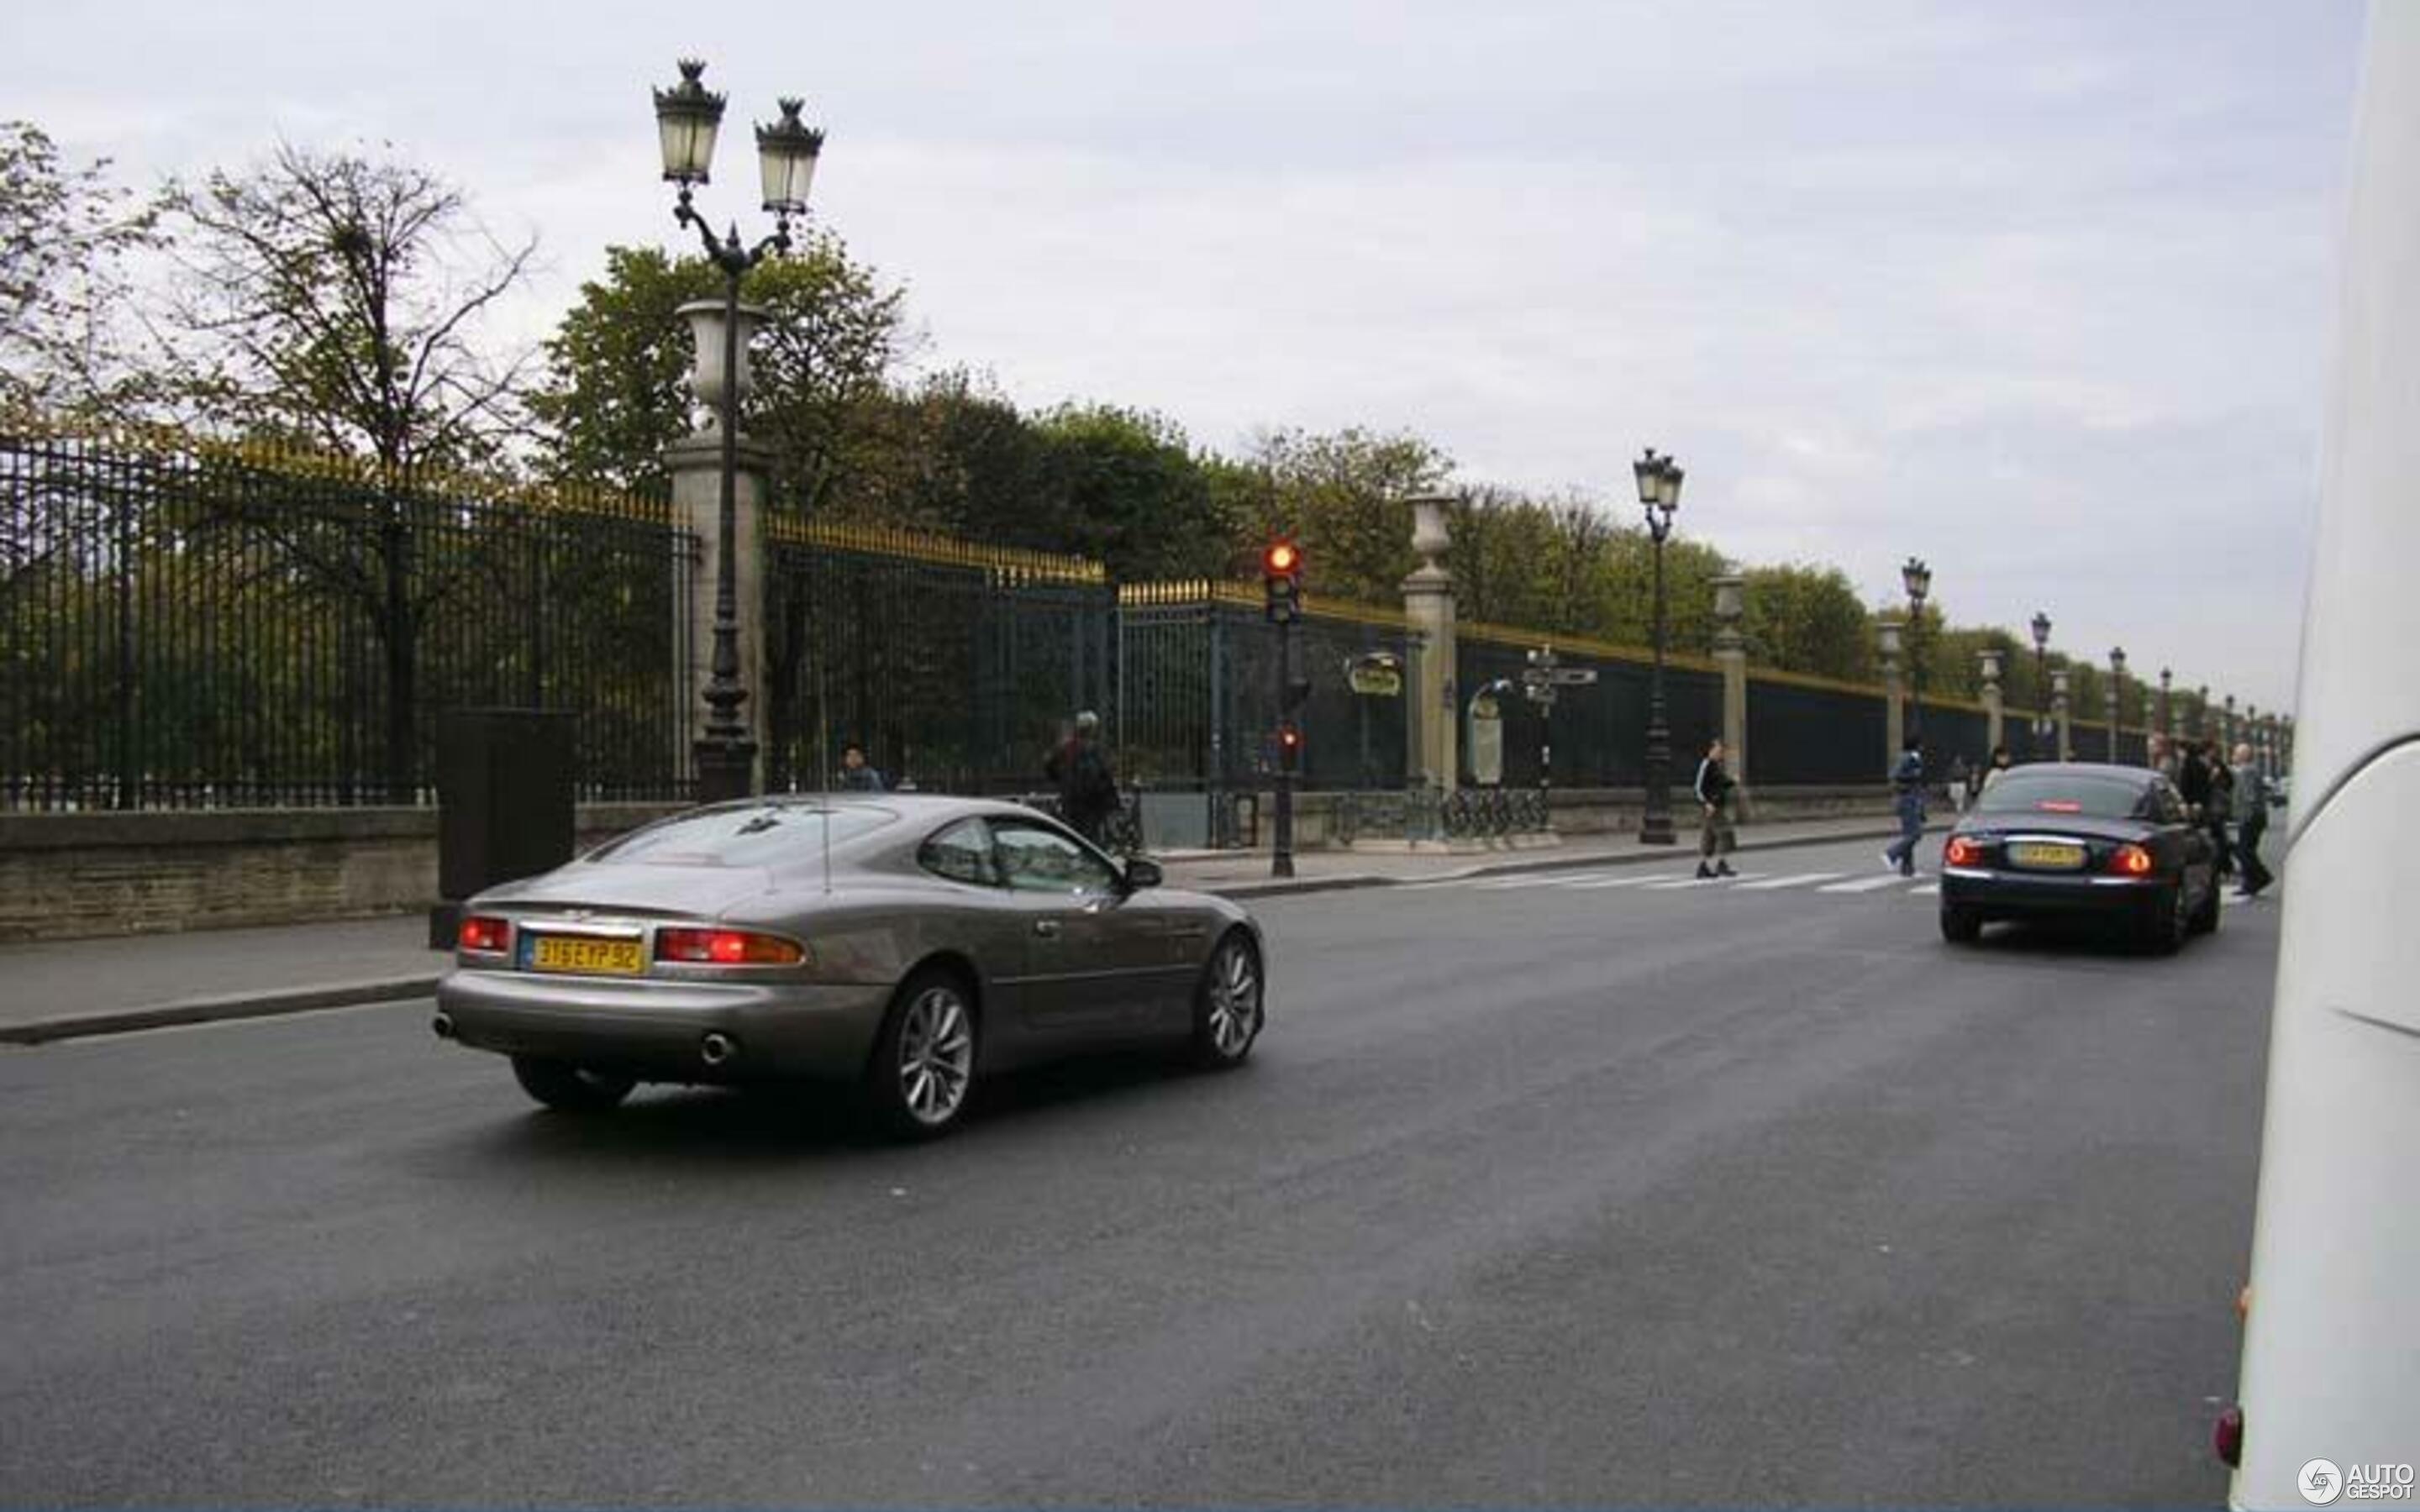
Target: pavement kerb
{"x": 218, "y": 1009}
{"x": 398, "y": 989}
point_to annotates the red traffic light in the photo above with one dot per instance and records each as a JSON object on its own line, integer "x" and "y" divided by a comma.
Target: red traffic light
{"x": 1283, "y": 559}
{"x": 1289, "y": 736}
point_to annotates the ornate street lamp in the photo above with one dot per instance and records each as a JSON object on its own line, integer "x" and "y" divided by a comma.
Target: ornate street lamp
{"x": 1659, "y": 492}
{"x": 2167, "y": 727}
{"x": 689, "y": 116}
{"x": 2117, "y": 692}
{"x": 1917, "y": 579}
{"x": 2041, "y": 680}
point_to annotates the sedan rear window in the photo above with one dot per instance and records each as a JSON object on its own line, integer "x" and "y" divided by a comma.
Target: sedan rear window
{"x": 2089, "y": 794}
{"x": 771, "y": 834}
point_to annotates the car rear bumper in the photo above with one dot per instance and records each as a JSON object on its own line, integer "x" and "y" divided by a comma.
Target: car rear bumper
{"x": 1993, "y": 894}
{"x": 657, "y": 1030}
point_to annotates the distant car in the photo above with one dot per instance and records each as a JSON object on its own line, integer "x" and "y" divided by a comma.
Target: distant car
{"x": 2081, "y": 840}
{"x": 908, "y": 946}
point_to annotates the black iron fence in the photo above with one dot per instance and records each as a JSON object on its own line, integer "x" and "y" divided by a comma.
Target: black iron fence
{"x": 957, "y": 666}
{"x": 192, "y": 625}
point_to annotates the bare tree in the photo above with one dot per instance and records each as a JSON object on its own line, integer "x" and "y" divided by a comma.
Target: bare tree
{"x": 333, "y": 300}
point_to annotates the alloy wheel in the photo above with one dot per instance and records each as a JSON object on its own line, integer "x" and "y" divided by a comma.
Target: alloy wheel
{"x": 936, "y": 1056}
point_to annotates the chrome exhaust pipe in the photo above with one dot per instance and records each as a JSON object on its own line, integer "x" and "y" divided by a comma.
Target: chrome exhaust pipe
{"x": 444, "y": 1025}
{"x": 718, "y": 1048}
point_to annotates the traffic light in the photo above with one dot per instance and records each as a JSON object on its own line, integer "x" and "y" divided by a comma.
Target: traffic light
{"x": 1281, "y": 581}
{"x": 1290, "y": 745}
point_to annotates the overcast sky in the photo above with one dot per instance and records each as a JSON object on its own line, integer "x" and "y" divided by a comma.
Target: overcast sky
{"x": 2041, "y": 292}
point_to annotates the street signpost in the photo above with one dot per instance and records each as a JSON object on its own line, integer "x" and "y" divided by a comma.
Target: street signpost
{"x": 1540, "y": 684}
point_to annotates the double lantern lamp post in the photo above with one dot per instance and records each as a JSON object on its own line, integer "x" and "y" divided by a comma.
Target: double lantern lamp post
{"x": 688, "y": 118}
{"x": 1659, "y": 492}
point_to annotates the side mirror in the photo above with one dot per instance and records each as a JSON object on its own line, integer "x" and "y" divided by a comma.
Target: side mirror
{"x": 1142, "y": 874}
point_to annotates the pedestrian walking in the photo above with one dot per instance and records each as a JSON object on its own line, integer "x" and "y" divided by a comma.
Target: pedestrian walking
{"x": 1993, "y": 772}
{"x": 2251, "y": 823}
{"x": 1716, "y": 838}
{"x": 1088, "y": 790}
{"x": 855, "y": 775}
{"x": 1958, "y": 789}
{"x": 2222, "y": 809}
{"x": 2193, "y": 781}
{"x": 1907, "y": 796}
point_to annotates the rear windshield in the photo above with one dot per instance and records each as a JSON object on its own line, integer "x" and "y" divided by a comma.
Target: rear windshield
{"x": 2092, "y": 795}
{"x": 773, "y": 834}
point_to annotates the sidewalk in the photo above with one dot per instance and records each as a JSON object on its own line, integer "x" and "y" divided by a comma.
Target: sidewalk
{"x": 74, "y": 988}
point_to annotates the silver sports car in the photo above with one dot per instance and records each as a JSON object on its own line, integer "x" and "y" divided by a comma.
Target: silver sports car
{"x": 907, "y": 945}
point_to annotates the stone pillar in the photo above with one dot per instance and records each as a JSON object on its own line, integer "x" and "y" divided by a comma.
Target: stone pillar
{"x": 1994, "y": 711}
{"x": 1433, "y": 759}
{"x": 1730, "y": 655}
{"x": 695, "y": 463}
{"x": 2059, "y": 714}
{"x": 1886, "y": 635}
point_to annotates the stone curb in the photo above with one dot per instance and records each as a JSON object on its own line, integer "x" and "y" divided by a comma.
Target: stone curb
{"x": 217, "y": 1009}
{"x": 352, "y": 995}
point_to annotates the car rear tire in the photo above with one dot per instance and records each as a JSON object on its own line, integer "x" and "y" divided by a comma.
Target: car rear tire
{"x": 1961, "y": 926}
{"x": 2205, "y": 918}
{"x": 921, "y": 1074}
{"x": 569, "y": 1089}
{"x": 2163, "y": 931}
{"x": 1229, "y": 1004}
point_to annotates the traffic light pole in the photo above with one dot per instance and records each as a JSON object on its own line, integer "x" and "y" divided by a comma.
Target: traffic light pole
{"x": 1281, "y": 847}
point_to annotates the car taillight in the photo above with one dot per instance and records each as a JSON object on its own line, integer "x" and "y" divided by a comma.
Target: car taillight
{"x": 2130, "y": 861}
{"x": 1962, "y": 851}
{"x": 482, "y": 935}
{"x": 726, "y": 948}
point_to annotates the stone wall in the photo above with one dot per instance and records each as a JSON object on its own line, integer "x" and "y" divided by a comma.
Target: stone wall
{"x": 65, "y": 876}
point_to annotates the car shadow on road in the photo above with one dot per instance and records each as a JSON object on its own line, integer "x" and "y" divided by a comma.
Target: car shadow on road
{"x": 2069, "y": 939}
{"x": 789, "y": 1122}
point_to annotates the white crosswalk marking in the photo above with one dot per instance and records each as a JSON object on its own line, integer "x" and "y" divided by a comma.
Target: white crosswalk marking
{"x": 1929, "y": 889}
{"x": 1641, "y": 880}
{"x": 1676, "y": 883}
{"x": 1556, "y": 879}
{"x": 1889, "y": 879}
{"x": 1801, "y": 880}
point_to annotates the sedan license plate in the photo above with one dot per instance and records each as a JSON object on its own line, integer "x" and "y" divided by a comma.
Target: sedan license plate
{"x": 587, "y": 954}
{"x": 2046, "y": 855}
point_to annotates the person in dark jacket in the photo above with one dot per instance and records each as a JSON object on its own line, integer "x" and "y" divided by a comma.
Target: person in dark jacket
{"x": 2220, "y": 808}
{"x": 2251, "y": 823}
{"x": 2193, "y": 778}
{"x": 1716, "y": 838}
{"x": 1088, "y": 790}
{"x": 1907, "y": 796}
{"x": 855, "y": 775}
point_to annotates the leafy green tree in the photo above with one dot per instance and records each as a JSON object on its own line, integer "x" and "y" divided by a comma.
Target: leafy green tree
{"x": 332, "y": 299}
{"x": 1343, "y": 498}
{"x": 616, "y": 390}
{"x": 66, "y": 238}
{"x": 1125, "y": 488}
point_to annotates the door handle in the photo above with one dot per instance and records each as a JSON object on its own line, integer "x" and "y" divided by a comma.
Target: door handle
{"x": 1047, "y": 928}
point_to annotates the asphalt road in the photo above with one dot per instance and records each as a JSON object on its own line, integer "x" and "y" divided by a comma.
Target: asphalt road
{"x": 1536, "y": 1191}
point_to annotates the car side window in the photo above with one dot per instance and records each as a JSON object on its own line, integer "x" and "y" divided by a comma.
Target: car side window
{"x": 1039, "y": 860}
{"x": 961, "y": 853}
{"x": 2171, "y": 804}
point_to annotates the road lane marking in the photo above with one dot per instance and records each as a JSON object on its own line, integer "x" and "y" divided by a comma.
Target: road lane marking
{"x": 1926, "y": 892}
{"x": 1676, "y": 883}
{"x": 1802, "y": 878}
{"x": 1889, "y": 879}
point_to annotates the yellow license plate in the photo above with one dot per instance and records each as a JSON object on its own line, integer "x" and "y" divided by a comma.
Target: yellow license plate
{"x": 576, "y": 952}
{"x": 2046, "y": 857}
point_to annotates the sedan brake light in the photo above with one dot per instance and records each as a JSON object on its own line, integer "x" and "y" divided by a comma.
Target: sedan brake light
{"x": 2130, "y": 861}
{"x": 1962, "y": 851}
{"x": 483, "y": 936}
{"x": 727, "y": 947}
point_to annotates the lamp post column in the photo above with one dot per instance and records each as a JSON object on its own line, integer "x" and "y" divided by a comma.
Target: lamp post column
{"x": 1659, "y": 493}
